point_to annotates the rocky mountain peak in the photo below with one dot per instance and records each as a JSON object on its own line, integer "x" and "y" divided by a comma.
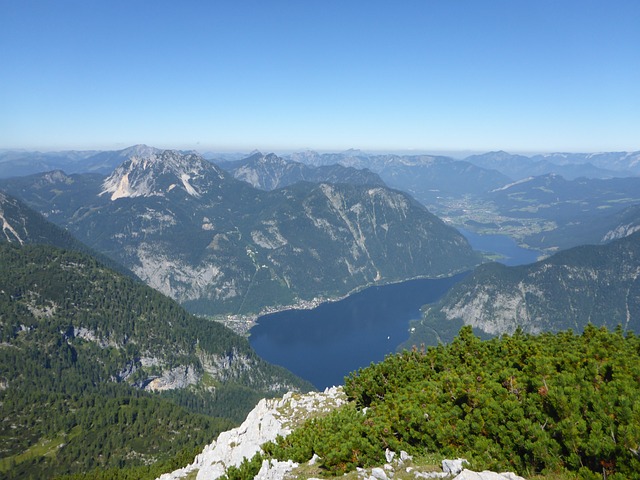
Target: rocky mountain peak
{"x": 273, "y": 158}
{"x": 55, "y": 176}
{"x": 139, "y": 150}
{"x": 150, "y": 172}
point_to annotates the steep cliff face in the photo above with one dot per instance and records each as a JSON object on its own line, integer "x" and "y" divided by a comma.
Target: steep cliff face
{"x": 623, "y": 224}
{"x": 218, "y": 245}
{"x": 22, "y": 225}
{"x": 590, "y": 284}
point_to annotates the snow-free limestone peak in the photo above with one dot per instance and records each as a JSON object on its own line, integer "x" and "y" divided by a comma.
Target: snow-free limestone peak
{"x": 156, "y": 173}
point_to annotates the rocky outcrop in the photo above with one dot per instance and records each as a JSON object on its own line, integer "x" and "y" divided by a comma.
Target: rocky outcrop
{"x": 270, "y": 418}
{"x": 620, "y": 231}
{"x": 275, "y": 470}
{"x": 178, "y": 377}
{"x": 451, "y": 469}
{"x": 469, "y": 475}
{"x": 273, "y": 417}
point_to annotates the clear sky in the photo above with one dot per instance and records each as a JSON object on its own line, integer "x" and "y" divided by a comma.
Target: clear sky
{"x": 428, "y": 75}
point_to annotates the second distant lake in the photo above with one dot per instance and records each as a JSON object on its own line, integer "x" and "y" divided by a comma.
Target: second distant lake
{"x": 512, "y": 253}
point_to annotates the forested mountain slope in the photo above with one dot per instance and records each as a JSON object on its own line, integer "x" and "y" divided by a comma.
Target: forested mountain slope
{"x": 23, "y": 225}
{"x": 588, "y": 284}
{"x": 99, "y": 370}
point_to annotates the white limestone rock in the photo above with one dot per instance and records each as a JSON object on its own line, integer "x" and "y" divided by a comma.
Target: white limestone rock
{"x": 431, "y": 475}
{"x": 275, "y": 470}
{"x": 405, "y": 457}
{"x": 378, "y": 474}
{"x": 486, "y": 475}
{"x": 388, "y": 455}
{"x": 235, "y": 445}
{"x": 453, "y": 467}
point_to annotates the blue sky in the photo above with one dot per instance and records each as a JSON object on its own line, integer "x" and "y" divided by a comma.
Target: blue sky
{"x": 448, "y": 75}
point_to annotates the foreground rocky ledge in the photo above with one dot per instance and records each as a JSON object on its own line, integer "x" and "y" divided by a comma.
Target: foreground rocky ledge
{"x": 273, "y": 417}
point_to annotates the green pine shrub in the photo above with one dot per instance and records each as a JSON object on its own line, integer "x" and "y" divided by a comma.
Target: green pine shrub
{"x": 556, "y": 403}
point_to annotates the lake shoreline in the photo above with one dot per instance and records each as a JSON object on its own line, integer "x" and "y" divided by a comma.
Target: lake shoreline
{"x": 242, "y": 324}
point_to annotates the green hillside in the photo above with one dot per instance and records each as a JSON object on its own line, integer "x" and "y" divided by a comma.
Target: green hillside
{"x": 21, "y": 224}
{"x": 80, "y": 348}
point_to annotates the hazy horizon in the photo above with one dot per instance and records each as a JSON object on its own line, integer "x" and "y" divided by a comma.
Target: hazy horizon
{"x": 207, "y": 152}
{"x": 284, "y": 76}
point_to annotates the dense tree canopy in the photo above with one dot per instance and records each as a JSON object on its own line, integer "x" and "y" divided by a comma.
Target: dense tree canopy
{"x": 78, "y": 342}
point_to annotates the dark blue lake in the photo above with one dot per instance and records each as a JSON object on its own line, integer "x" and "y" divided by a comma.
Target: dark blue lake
{"x": 325, "y": 344}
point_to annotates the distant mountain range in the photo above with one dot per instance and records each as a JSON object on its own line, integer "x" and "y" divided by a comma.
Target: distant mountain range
{"x": 570, "y": 166}
{"x": 269, "y": 172}
{"x": 546, "y": 212}
{"x": 587, "y": 284}
{"x": 218, "y": 245}
{"x": 616, "y": 161}
{"x": 17, "y": 163}
{"x": 516, "y": 167}
{"x": 427, "y": 178}
{"x": 474, "y": 193}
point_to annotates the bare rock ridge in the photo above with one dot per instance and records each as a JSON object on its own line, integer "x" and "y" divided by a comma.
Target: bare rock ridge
{"x": 270, "y": 418}
{"x": 273, "y": 417}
